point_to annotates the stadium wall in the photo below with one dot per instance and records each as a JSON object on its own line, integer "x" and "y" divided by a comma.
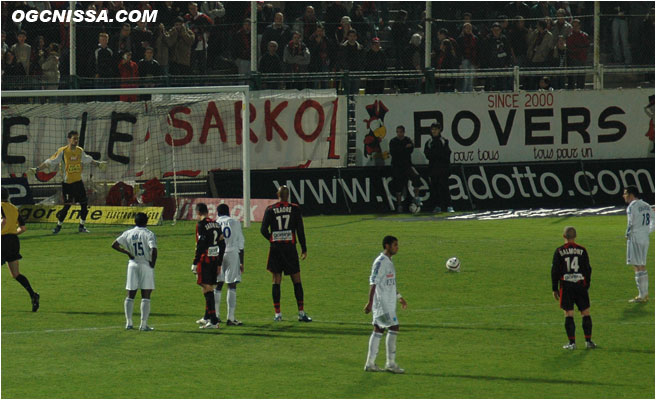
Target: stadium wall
{"x": 569, "y": 184}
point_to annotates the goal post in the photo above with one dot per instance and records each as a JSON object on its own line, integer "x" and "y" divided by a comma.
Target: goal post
{"x": 172, "y": 133}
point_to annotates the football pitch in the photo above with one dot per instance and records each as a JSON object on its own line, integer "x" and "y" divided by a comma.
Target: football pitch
{"x": 491, "y": 331}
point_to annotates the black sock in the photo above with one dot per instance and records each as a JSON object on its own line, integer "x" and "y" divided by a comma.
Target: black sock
{"x": 209, "y": 306}
{"x": 275, "y": 292}
{"x": 26, "y": 284}
{"x": 298, "y": 292}
{"x": 587, "y": 327}
{"x": 570, "y": 328}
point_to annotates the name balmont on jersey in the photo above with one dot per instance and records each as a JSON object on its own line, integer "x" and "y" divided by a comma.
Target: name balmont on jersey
{"x": 570, "y": 251}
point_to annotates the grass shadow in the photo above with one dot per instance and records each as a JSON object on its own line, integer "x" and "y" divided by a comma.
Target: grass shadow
{"x": 514, "y": 379}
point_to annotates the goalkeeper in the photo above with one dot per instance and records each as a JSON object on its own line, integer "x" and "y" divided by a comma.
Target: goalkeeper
{"x": 72, "y": 186}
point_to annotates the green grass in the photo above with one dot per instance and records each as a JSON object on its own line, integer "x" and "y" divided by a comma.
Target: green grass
{"x": 491, "y": 331}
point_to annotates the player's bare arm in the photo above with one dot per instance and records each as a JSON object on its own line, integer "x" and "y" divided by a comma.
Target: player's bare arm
{"x": 556, "y": 295}
{"x": 118, "y": 248}
{"x": 153, "y": 258}
{"x": 404, "y": 304}
{"x": 372, "y": 291}
{"x": 241, "y": 260}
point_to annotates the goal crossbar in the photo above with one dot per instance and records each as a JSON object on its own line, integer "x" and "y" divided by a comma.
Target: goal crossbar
{"x": 245, "y": 117}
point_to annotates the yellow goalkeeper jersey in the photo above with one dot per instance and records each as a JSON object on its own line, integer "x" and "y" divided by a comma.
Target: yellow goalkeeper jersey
{"x": 12, "y": 218}
{"x": 73, "y": 160}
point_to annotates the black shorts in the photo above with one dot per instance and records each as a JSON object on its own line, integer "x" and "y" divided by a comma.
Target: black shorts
{"x": 283, "y": 258}
{"x": 206, "y": 273}
{"x": 10, "y": 248}
{"x": 401, "y": 176}
{"x": 74, "y": 192}
{"x": 574, "y": 293}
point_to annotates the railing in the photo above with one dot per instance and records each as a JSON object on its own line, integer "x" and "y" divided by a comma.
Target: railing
{"x": 350, "y": 82}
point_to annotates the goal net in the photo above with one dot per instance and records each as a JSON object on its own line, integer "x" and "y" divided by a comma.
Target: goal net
{"x": 174, "y": 135}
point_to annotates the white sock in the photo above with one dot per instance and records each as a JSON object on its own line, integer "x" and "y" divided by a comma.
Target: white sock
{"x": 374, "y": 342}
{"x": 637, "y": 281}
{"x": 82, "y": 222}
{"x": 643, "y": 283}
{"x": 217, "y": 301}
{"x": 145, "y": 312}
{"x": 128, "y": 305}
{"x": 390, "y": 343}
{"x": 59, "y": 223}
{"x": 231, "y": 299}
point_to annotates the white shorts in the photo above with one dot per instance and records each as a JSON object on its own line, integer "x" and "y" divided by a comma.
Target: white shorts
{"x": 140, "y": 276}
{"x": 384, "y": 315}
{"x": 636, "y": 251}
{"x": 230, "y": 271}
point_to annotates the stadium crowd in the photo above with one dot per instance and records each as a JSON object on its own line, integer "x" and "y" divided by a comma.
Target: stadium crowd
{"x": 213, "y": 38}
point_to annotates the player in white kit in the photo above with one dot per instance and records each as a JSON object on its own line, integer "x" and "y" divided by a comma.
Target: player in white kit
{"x": 233, "y": 262}
{"x": 382, "y": 301}
{"x": 640, "y": 224}
{"x": 140, "y": 244}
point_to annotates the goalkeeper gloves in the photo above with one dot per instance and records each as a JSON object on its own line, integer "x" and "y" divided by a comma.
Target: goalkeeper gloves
{"x": 31, "y": 172}
{"x": 102, "y": 165}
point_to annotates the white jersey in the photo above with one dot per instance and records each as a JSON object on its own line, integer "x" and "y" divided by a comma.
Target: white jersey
{"x": 640, "y": 220}
{"x": 231, "y": 228}
{"x": 383, "y": 275}
{"x": 139, "y": 241}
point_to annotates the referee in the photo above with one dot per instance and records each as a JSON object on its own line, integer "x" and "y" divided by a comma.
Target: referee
{"x": 12, "y": 226}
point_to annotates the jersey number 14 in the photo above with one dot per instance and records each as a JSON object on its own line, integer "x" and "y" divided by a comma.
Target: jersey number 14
{"x": 572, "y": 264}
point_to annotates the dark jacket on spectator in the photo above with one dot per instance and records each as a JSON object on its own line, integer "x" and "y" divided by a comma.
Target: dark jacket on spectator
{"x": 375, "y": 60}
{"x": 241, "y": 44}
{"x": 350, "y": 56}
{"x": 270, "y": 64}
{"x": 149, "y": 68}
{"x": 437, "y": 152}
{"x": 518, "y": 38}
{"x": 139, "y": 36}
{"x": 496, "y": 52}
{"x": 468, "y": 48}
{"x": 104, "y": 62}
{"x": 401, "y": 154}
{"x": 281, "y": 35}
{"x": 321, "y": 54}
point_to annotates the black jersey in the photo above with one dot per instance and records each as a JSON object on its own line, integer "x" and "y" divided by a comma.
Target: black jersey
{"x": 210, "y": 245}
{"x": 570, "y": 264}
{"x": 283, "y": 224}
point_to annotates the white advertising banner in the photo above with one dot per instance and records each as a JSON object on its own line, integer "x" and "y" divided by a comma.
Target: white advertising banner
{"x": 511, "y": 127}
{"x": 186, "y": 135}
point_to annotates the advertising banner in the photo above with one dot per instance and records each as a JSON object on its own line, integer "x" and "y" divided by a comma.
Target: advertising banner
{"x": 185, "y": 135}
{"x": 97, "y": 214}
{"x": 19, "y": 190}
{"x": 471, "y": 187}
{"x": 187, "y": 208}
{"x": 510, "y": 127}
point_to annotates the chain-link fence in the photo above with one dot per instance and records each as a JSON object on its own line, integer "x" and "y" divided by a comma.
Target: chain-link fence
{"x": 371, "y": 47}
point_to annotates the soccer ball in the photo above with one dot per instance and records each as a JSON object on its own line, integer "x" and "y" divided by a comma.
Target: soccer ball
{"x": 453, "y": 264}
{"x": 414, "y": 208}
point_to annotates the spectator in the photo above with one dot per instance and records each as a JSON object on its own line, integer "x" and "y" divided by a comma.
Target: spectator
{"x": 199, "y": 24}
{"x": 467, "y": 18}
{"x": 296, "y": 58}
{"x": 620, "y": 32}
{"x": 400, "y": 34}
{"x": 518, "y": 38}
{"x": 242, "y": 47}
{"x": 517, "y": 8}
{"x": 166, "y": 12}
{"x": 270, "y": 62}
{"x": 12, "y": 68}
{"x": 361, "y": 24}
{"x": 447, "y": 59}
{"x": 104, "y": 64}
{"x": 49, "y": 61}
{"x": 320, "y": 51}
{"x": 350, "y": 58}
{"x": 22, "y": 51}
{"x": 37, "y": 52}
{"x": 496, "y": 54}
{"x": 647, "y": 45}
{"x": 540, "y": 11}
{"x": 128, "y": 70}
{"x": 540, "y": 44}
{"x": 162, "y": 48}
{"x": 149, "y": 67}
{"x": 559, "y": 60}
{"x": 577, "y": 44}
{"x": 468, "y": 46}
{"x": 180, "y": 39}
{"x": 545, "y": 84}
{"x": 5, "y": 46}
{"x": 375, "y": 60}
{"x": 142, "y": 38}
{"x": 265, "y": 15}
{"x": 277, "y": 32}
{"x": 334, "y": 14}
{"x": 341, "y": 34}
{"x": 123, "y": 42}
{"x": 413, "y": 59}
{"x": 307, "y": 24}
{"x": 561, "y": 26}
{"x": 443, "y": 34}
{"x": 213, "y": 9}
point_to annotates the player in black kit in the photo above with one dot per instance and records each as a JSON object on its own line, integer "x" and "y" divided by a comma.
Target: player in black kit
{"x": 401, "y": 148}
{"x": 282, "y": 226}
{"x": 210, "y": 248}
{"x": 571, "y": 267}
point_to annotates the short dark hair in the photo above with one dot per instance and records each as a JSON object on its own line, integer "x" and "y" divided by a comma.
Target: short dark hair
{"x": 21, "y": 33}
{"x": 5, "y": 194}
{"x": 437, "y": 125}
{"x": 148, "y": 48}
{"x": 71, "y": 134}
{"x": 201, "y": 208}
{"x": 401, "y": 127}
{"x": 444, "y": 31}
{"x": 389, "y": 240}
{"x": 126, "y": 24}
{"x": 223, "y": 209}
{"x": 542, "y": 23}
{"x": 141, "y": 219}
{"x": 352, "y": 31}
{"x": 632, "y": 189}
